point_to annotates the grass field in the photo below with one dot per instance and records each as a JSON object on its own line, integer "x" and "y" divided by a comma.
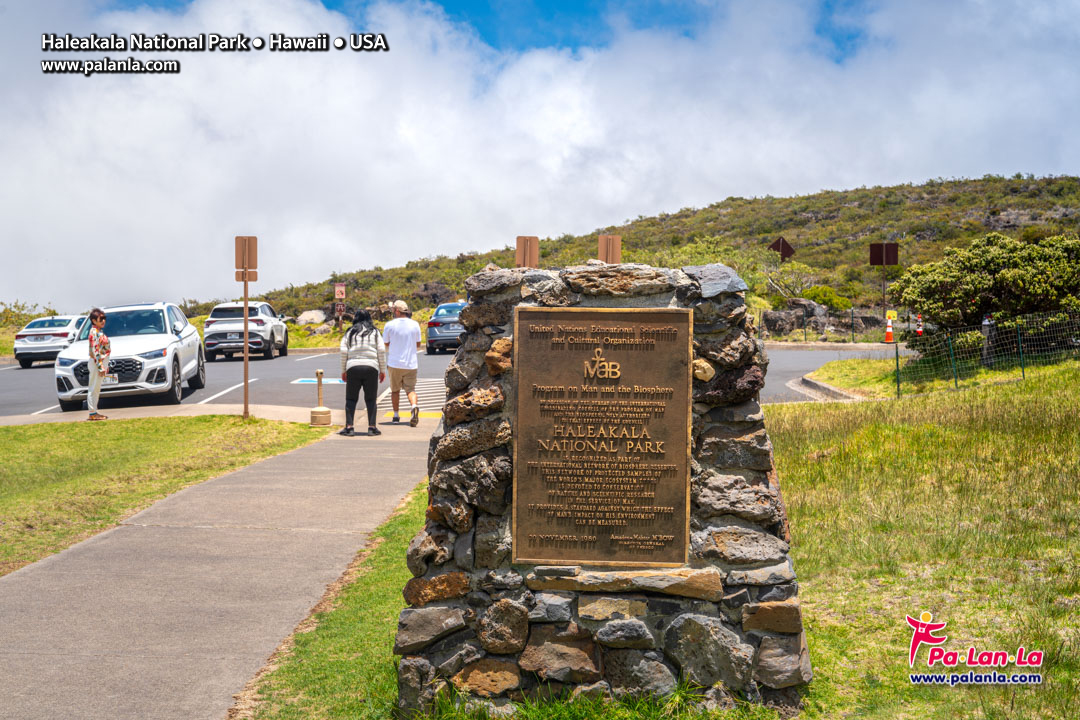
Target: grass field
{"x": 63, "y": 482}
{"x": 876, "y": 378}
{"x": 966, "y": 505}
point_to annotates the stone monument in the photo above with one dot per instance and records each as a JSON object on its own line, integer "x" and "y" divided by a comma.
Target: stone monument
{"x": 604, "y": 515}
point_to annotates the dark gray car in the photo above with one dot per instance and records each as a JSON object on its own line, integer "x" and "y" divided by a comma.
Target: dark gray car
{"x": 444, "y": 330}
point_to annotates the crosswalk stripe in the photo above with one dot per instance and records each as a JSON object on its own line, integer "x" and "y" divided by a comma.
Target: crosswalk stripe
{"x": 430, "y": 396}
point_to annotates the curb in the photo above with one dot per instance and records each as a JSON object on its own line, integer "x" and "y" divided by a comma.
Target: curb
{"x": 828, "y": 390}
{"x": 852, "y": 347}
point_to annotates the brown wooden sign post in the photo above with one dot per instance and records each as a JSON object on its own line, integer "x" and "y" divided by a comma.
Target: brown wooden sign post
{"x": 609, "y": 249}
{"x": 528, "y": 251}
{"x": 247, "y": 263}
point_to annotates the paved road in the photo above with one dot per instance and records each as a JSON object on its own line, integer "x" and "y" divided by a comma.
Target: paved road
{"x": 23, "y": 392}
{"x": 278, "y": 382}
{"x": 169, "y": 614}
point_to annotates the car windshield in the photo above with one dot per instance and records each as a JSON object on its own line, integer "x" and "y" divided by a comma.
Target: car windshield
{"x": 444, "y": 310}
{"x": 225, "y": 313}
{"x": 44, "y": 323}
{"x": 130, "y": 322}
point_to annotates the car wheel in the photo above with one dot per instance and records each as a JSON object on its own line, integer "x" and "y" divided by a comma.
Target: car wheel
{"x": 211, "y": 356}
{"x": 430, "y": 350}
{"x": 24, "y": 363}
{"x": 198, "y": 380}
{"x": 176, "y": 390}
{"x": 284, "y": 345}
{"x": 70, "y": 405}
{"x": 228, "y": 356}
{"x": 268, "y": 353}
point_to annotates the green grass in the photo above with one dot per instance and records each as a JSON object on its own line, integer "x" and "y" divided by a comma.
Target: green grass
{"x": 63, "y": 482}
{"x": 963, "y": 504}
{"x": 7, "y": 340}
{"x": 876, "y": 378}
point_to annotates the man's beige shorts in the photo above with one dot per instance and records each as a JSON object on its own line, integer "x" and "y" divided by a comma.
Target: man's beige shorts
{"x": 400, "y": 378}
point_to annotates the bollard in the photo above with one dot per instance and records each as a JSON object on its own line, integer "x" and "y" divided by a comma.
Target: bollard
{"x": 320, "y": 416}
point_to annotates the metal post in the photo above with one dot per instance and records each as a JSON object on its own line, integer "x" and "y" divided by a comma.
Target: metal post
{"x": 245, "y": 343}
{"x": 1020, "y": 344}
{"x": 897, "y": 349}
{"x": 852, "y": 323}
{"x": 952, "y": 357}
{"x": 804, "y": 325}
{"x": 318, "y": 377}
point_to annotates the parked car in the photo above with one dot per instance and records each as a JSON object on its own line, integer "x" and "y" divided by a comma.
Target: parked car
{"x": 44, "y": 338}
{"x": 444, "y": 329}
{"x": 154, "y": 350}
{"x": 223, "y": 331}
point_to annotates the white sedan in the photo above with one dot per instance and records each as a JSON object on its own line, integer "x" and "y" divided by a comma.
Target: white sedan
{"x": 44, "y": 338}
{"x": 154, "y": 350}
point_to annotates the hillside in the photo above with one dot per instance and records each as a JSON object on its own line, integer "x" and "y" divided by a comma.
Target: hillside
{"x": 830, "y": 231}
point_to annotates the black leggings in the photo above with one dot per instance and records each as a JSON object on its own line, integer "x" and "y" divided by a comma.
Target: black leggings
{"x": 361, "y": 376}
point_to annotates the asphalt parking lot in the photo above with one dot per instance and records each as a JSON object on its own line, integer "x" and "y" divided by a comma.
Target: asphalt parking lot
{"x": 286, "y": 380}
{"x": 290, "y": 381}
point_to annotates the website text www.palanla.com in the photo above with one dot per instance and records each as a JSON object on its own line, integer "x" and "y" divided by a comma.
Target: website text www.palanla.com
{"x": 975, "y": 678}
{"x": 110, "y": 66}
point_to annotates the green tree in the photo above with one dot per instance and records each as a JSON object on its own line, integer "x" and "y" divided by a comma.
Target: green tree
{"x": 825, "y": 295}
{"x": 995, "y": 274}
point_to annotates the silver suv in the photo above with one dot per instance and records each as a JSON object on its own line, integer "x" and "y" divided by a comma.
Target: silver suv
{"x": 223, "y": 332}
{"x": 154, "y": 349}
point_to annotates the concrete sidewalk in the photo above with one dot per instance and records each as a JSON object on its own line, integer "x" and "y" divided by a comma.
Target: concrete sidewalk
{"x": 171, "y": 613}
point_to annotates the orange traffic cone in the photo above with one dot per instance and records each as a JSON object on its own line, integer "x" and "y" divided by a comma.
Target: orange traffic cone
{"x": 918, "y": 328}
{"x": 888, "y": 330}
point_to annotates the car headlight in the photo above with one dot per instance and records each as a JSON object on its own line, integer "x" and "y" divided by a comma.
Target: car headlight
{"x": 65, "y": 362}
{"x": 154, "y": 354}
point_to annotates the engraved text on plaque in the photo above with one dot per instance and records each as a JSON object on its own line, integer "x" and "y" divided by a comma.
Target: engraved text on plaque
{"x": 602, "y": 436}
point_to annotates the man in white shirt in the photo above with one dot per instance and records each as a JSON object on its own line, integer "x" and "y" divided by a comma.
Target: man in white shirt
{"x": 402, "y": 338}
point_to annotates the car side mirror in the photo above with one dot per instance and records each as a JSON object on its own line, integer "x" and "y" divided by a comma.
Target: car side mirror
{"x": 177, "y": 326}
{"x": 281, "y": 316}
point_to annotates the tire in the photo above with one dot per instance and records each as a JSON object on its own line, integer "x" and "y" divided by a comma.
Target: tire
{"x": 211, "y": 356}
{"x": 268, "y": 353}
{"x": 284, "y": 346}
{"x": 198, "y": 380}
{"x": 431, "y": 350}
{"x": 25, "y": 364}
{"x": 70, "y": 405}
{"x": 228, "y": 356}
{"x": 176, "y": 390}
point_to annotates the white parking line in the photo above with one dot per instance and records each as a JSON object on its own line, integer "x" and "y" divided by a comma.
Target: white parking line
{"x": 10, "y": 367}
{"x": 234, "y": 387}
{"x": 45, "y": 410}
{"x": 310, "y": 357}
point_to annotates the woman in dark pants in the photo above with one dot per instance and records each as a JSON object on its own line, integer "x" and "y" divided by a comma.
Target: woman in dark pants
{"x": 363, "y": 365}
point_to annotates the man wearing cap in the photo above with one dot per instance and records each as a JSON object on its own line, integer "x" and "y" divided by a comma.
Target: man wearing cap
{"x": 402, "y": 338}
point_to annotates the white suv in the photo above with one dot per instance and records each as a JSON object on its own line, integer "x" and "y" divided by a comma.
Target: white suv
{"x": 223, "y": 331}
{"x": 154, "y": 349}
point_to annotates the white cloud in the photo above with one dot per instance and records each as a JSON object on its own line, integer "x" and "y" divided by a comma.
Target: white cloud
{"x": 124, "y": 188}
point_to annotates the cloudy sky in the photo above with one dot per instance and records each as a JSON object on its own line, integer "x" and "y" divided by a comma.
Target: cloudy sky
{"x": 488, "y": 119}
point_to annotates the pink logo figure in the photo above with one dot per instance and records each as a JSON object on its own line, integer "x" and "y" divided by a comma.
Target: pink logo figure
{"x": 924, "y": 633}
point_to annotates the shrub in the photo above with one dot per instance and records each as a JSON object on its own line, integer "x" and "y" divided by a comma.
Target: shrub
{"x": 825, "y": 295}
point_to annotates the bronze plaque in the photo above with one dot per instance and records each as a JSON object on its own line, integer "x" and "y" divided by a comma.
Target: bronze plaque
{"x": 602, "y": 436}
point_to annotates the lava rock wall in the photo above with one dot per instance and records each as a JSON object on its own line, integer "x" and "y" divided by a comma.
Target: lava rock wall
{"x": 728, "y": 621}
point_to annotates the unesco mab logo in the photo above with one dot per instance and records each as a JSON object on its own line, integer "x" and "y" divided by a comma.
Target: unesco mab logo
{"x": 923, "y": 633}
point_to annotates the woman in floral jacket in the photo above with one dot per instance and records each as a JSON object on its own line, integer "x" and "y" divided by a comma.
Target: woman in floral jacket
{"x": 100, "y": 349}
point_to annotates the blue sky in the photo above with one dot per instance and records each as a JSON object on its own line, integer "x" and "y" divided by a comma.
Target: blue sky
{"x": 518, "y": 25}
